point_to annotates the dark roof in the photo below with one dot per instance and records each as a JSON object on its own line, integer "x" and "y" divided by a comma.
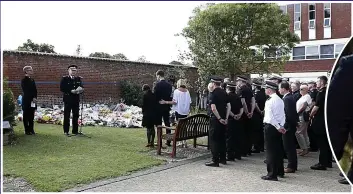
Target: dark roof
{"x": 91, "y": 58}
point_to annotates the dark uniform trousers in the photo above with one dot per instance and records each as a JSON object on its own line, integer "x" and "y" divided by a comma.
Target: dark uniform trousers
{"x": 217, "y": 140}
{"x": 73, "y": 106}
{"x": 290, "y": 147}
{"x": 28, "y": 118}
{"x": 248, "y": 134}
{"x": 325, "y": 157}
{"x": 234, "y": 138}
{"x": 258, "y": 132}
{"x": 274, "y": 160}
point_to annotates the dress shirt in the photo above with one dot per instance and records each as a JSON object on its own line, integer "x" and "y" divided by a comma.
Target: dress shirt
{"x": 274, "y": 111}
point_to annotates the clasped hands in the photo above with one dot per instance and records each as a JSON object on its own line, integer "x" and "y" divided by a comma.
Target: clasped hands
{"x": 78, "y": 90}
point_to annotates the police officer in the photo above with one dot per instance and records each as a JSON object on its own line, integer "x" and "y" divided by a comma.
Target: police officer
{"x": 235, "y": 129}
{"x": 220, "y": 108}
{"x": 29, "y": 100}
{"x": 248, "y": 102}
{"x": 71, "y": 86}
{"x": 260, "y": 99}
{"x": 312, "y": 139}
{"x": 277, "y": 80}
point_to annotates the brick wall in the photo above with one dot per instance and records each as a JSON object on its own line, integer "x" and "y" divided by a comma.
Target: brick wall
{"x": 309, "y": 66}
{"x": 101, "y": 76}
{"x": 341, "y": 20}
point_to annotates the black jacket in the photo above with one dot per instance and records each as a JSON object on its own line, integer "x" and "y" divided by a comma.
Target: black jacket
{"x": 148, "y": 109}
{"x": 66, "y": 85}
{"x": 29, "y": 90}
{"x": 292, "y": 117}
{"x": 163, "y": 91}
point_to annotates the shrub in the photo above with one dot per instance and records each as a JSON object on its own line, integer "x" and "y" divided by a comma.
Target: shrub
{"x": 131, "y": 93}
{"x": 9, "y": 105}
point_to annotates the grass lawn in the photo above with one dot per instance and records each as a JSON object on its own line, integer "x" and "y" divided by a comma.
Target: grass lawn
{"x": 53, "y": 162}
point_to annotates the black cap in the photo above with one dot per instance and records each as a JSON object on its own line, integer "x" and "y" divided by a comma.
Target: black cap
{"x": 256, "y": 83}
{"x": 312, "y": 82}
{"x": 242, "y": 78}
{"x": 278, "y": 78}
{"x": 216, "y": 79}
{"x": 231, "y": 85}
{"x": 72, "y": 66}
{"x": 285, "y": 79}
{"x": 270, "y": 84}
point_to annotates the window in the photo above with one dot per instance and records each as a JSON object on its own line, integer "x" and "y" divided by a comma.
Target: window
{"x": 327, "y": 15}
{"x": 312, "y": 52}
{"x": 270, "y": 53}
{"x": 327, "y": 51}
{"x": 284, "y": 9}
{"x": 299, "y": 53}
{"x": 297, "y": 13}
{"x": 311, "y": 16}
{"x": 338, "y": 49}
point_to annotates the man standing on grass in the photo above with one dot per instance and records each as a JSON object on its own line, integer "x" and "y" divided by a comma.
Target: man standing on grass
{"x": 71, "y": 86}
{"x": 29, "y": 100}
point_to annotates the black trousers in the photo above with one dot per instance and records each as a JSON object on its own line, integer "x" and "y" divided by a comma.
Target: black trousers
{"x": 273, "y": 143}
{"x": 151, "y": 133}
{"x": 217, "y": 140}
{"x": 325, "y": 157}
{"x": 290, "y": 147}
{"x": 75, "y": 108}
{"x": 28, "y": 119}
{"x": 179, "y": 116}
{"x": 248, "y": 134}
{"x": 234, "y": 138}
{"x": 164, "y": 114}
{"x": 312, "y": 138}
{"x": 258, "y": 132}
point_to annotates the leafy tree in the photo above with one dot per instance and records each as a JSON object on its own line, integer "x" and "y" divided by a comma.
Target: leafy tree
{"x": 231, "y": 39}
{"x": 120, "y": 56}
{"x": 100, "y": 55}
{"x": 8, "y": 103}
{"x": 142, "y": 59}
{"x": 34, "y": 47}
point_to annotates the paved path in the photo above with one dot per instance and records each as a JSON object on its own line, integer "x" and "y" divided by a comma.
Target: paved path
{"x": 244, "y": 175}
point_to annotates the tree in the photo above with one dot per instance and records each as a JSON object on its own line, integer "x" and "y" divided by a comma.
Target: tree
{"x": 176, "y": 63}
{"x": 100, "y": 55}
{"x": 232, "y": 39}
{"x": 8, "y": 103}
{"x": 120, "y": 56}
{"x": 78, "y": 50}
{"x": 142, "y": 59}
{"x": 34, "y": 47}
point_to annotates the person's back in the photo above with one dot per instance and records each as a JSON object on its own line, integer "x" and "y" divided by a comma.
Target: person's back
{"x": 163, "y": 91}
{"x": 183, "y": 100}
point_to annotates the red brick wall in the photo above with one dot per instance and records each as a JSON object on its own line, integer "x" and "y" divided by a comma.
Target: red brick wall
{"x": 319, "y": 24}
{"x": 102, "y": 77}
{"x": 304, "y": 22}
{"x": 290, "y": 11}
{"x": 341, "y": 20}
{"x": 309, "y": 66}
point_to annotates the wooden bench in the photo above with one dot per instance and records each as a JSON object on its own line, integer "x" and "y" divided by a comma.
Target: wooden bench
{"x": 188, "y": 128}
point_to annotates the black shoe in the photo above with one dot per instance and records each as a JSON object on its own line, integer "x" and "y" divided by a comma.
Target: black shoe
{"x": 33, "y": 133}
{"x": 318, "y": 167}
{"x": 329, "y": 166}
{"x": 341, "y": 175}
{"x": 212, "y": 164}
{"x": 67, "y": 134}
{"x": 268, "y": 178}
{"x": 255, "y": 151}
{"x": 265, "y": 161}
{"x": 262, "y": 150}
{"x": 74, "y": 134}
{"x": 343, "y": 181}
{"x": 168, "y": 144}
{"x": 281, "y": 176}
{"x": 249, "y": 154}
{"x": 230, "y": 159}
{"x": 28, "y": 133}
{"x": 224, "y": 162}
{"x": 238, "y": 157}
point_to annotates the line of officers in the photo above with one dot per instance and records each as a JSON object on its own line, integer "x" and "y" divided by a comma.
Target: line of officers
{"x": 240, "y": 123}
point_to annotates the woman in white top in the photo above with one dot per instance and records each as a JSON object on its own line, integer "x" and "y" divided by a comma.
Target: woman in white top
{"x": 303, "y": 106}
{"x": 181, "y": 100}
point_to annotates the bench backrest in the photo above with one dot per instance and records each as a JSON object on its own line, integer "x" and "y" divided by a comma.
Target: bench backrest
{"x": 194, "y": 126}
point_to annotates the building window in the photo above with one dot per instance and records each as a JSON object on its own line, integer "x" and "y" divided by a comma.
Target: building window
{"x": 327, "y": 51}
{"x": 284, "y": 9}
{"x": 299, "y": 53}
{"x": 327, "y": 14}
{"x": 297, "y": 14}
{"x": 311, "y": 16}
{"x": 338, "y": 49}
{"x": 312, "y": 52}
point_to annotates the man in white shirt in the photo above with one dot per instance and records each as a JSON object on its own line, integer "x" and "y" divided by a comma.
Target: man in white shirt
{"x": 274, "y": 120}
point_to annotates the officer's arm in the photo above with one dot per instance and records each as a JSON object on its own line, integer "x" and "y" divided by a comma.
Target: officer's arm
{"x": 244, "y": 105}
{"x": 34, "y": 90}
{"x": 253, "y": 103}
{"x": 63, "y": 87}
{"x": 215, "y": 112}
{"x": 228, "y": 110}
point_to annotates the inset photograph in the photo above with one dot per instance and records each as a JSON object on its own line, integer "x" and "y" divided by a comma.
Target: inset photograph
{"x": 339, "y": 114}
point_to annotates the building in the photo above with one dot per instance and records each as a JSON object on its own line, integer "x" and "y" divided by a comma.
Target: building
{"x": 323, "y": 29}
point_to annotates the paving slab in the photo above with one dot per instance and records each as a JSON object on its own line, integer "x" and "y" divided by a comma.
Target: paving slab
{"x": 239, "y": 176}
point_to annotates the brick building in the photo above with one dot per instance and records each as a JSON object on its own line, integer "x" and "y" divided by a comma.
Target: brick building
{"x": 323, "y": 29}
{"x": 101, "y": 77}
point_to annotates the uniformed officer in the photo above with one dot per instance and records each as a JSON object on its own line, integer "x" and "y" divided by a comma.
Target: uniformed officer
{"x": 235, "y": 129}
{"x": 260, "y": 99}
{"x": 274, "y": 120}
{"x": 277, "y": 80}
{"x": 312, "y": 139}
{"x": 220, "y": 108}
{"x": 29, "y": 100}
{"x": 248, "y": 102}
{"x": 71, "y": 86}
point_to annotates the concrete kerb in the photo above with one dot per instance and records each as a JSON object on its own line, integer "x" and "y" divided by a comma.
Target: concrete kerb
{"x": 137, "y": 174}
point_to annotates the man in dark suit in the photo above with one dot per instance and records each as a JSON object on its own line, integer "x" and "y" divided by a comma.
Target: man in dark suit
{"x": 71, "y": 87}
{"x": 29, "y": 100}
{"x": 163, "y": 91}
{"x": 290, "y": 125}
{"x": 339, "y": 103}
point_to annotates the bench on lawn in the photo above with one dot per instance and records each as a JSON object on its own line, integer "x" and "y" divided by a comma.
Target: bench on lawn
{"x": 190, "y": 127}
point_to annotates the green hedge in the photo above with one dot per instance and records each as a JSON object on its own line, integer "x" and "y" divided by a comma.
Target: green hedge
{"x": 9, "y": 105}
{"x": 131, "y": 93}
